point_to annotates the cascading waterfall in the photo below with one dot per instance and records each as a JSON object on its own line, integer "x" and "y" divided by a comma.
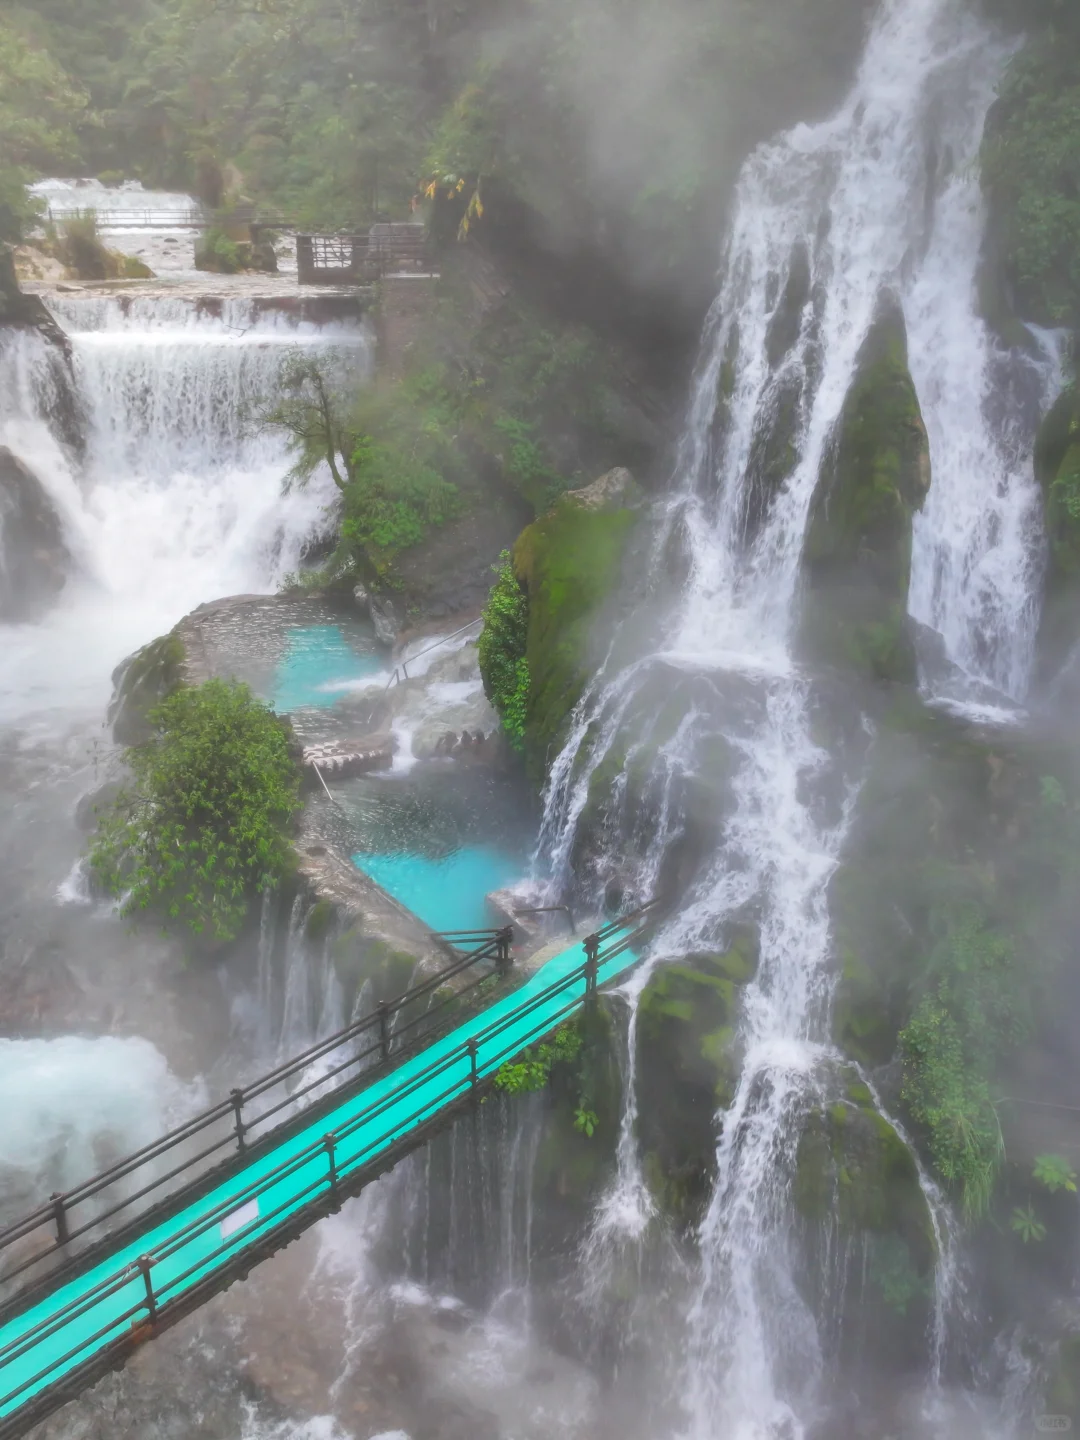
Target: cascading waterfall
{"x": 827, "y": 219}
{"x": 179, "y": 498}
{"x": 976, "y": 559}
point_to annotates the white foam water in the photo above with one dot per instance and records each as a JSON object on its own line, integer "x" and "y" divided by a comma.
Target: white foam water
{"x": 180, "y": 498}
{"x": 73, "y": 1106}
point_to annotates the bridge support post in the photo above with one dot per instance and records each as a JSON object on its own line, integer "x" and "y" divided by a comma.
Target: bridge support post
{"x": 592, "y": 969}
{"x": 474, "y": 1077}
{"x": 144, "y": 1262}
{"x": 504, "y": 959}
{"x": 330, "y": 1141}
{"x": 60, "y": 1216}
{"x": 237, "y": 1098}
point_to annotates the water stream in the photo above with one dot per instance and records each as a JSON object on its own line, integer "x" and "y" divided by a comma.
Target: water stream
{"x": 881, "y": 198}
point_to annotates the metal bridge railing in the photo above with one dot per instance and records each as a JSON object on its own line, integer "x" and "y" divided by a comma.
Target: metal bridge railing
{"x": 394, "y": 1029}
{"x": 365, "y": 1145}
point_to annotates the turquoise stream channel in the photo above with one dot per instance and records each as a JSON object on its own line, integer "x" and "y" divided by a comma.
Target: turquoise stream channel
{"x": 447, "y": 893}
{"x": 319, "y": 661}
{"x": 40, "y": 1346}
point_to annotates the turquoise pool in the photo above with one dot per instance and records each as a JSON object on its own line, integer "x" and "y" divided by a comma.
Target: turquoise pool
{"x": 447, "y": 893}
{"x": 318, "y": 659}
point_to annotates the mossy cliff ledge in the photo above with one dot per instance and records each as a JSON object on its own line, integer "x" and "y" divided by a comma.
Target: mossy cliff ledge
{"x": 567, "y": 564}
{"x": 857, "y": 564}
{"x": 1057, "y": 469}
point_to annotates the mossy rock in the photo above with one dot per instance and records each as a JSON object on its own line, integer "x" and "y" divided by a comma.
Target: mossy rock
{"x": 857, "y": 562}
{"x": 864, "y": 1025}
{"x": 569, "y": 563}
{"x": 361, "y": 959}
{"x": 688, "y": 1070}
{"x": 142, "y": 682}
{"x": 853, "y": 1170}
{"x": 132, "y": 268}
{"x": 1063, "y": 1383}
{"x": 1057, "y": 469}
{"x": 320, "y": 919}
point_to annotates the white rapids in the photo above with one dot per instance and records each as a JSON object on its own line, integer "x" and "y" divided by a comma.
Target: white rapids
{"x": 179, "y": 499}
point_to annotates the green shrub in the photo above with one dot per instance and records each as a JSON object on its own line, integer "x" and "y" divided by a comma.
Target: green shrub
{"x": 218, "y": 254}
{"x": 81, "y": 249}
{"x": 503, "y": 666}
{"x": 204, "y": 828}
{"x": 532, "y": 1069}
{"x": 1031, "y": 168}
{"x": 391, "y": 501}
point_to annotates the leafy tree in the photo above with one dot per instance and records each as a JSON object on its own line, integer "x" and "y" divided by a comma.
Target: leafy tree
{"x": 40, "y": 107}
{"x": 205, "y": 827}
{"x": 311, "y": 408}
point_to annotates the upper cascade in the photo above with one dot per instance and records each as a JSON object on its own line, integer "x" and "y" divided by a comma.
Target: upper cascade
{"x": 179, "y": 496}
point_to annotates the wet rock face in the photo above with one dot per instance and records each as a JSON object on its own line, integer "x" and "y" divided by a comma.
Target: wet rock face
{"x": 34, "y": 559}
{"x": 141, "y": 682}
{"x": 858, "y": 548}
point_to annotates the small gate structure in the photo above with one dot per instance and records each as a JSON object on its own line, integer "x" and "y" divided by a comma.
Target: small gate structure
{"x": 362, "y": 258}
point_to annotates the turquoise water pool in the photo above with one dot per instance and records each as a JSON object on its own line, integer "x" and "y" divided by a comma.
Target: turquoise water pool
{"x": 448, "y": 893}
{"x": 318, "y": 659}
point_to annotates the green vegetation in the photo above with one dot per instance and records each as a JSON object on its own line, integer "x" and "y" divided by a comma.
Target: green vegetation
{"x": 503, "y": 640}
{"x": 1031, "y": 168}
{"x": 949, "y": 919}
{"x": 1054, "y": 1173}
{"x": 568, "y": 562}
{"x": 204, "y": 828}
{"x": 379, "y": 458}
{"x": 626, "y": 120}
{"x": 41, "y": 108}
{"x": 1025, "y": 1223}
{"x": 858, "y": 548}
{"x": 533, "y": 1069}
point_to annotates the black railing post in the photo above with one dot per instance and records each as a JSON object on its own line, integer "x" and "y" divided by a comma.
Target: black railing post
{"x": 474, "y": 1077}
{"x": 237, "y": 1098}
{"x": 330, "y": 1142}
{"x": 592, "y": 968}
{"x": 384, "y": 1030}
{"x": 504, "y": 958}
{"x": 144, "y": 1262}
{"x": 60, "y": 1216}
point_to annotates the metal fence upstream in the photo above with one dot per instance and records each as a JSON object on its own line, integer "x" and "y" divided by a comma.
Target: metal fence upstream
{"x": 165, "y": 1262}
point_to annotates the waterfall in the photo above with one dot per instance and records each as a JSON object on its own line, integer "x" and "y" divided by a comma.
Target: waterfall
{"x": 827, "y": 219}
{"x": 179, "y": 499}
{"x": 976, "y": 558}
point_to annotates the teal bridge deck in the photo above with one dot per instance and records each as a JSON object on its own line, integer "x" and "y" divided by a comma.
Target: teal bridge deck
{"x": 113, "y": 1263}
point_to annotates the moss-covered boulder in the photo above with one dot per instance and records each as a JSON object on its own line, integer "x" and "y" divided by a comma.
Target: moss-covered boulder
{"x": 857, "y": 1191}
{"x": 1057, "y": 469}
{"x": 857, "y": 562}
{"x": 687, "y": 1065}
{"x": 569, "y": 562}
{"x": 143, "y": 681}
{"x": 854, "y": 1168}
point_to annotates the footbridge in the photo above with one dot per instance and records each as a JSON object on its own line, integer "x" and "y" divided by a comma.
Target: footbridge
{"x": 99, "y": 1271}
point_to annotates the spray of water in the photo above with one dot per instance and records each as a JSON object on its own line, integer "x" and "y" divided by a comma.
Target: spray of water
{"x": 179, "y": 500}
{"x": 827, "y": 219}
